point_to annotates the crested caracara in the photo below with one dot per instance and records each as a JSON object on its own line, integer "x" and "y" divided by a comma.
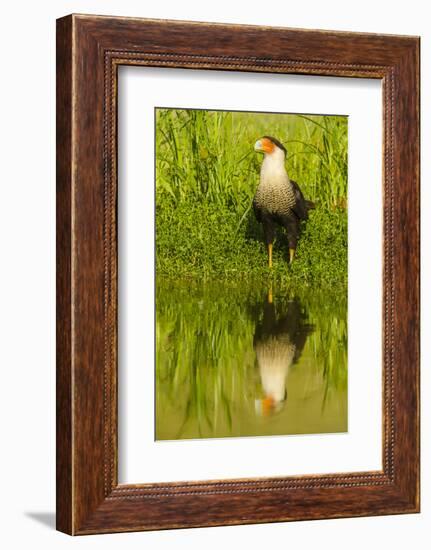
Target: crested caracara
{"x": 278, "y": 199}
{"x": 278, "y": 342}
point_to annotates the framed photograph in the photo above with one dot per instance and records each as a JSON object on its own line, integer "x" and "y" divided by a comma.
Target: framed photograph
{"x": 237, "y": 274}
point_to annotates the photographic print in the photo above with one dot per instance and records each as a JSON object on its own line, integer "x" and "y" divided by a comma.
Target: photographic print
{"x": 251, "y": 273}
{"x": 237, "y": 274}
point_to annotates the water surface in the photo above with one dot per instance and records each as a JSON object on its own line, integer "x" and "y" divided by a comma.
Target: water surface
{"x": 241, "y": 360}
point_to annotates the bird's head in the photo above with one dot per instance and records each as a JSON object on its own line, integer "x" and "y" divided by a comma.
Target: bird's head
{"x": 270, "y": 146}
{"x": 269, "y": 405}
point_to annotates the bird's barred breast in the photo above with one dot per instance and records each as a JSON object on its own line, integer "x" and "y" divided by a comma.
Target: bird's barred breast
{"x": 275, "y": 199}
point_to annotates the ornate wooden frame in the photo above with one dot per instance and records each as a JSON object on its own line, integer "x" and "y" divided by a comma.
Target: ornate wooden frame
{"x": 89, "y": 51}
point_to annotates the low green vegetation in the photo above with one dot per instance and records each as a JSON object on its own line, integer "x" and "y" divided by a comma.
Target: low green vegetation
{"x": 206, "y": 176}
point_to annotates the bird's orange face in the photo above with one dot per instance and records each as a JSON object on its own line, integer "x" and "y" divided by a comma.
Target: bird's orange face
{"x": 264, "y": 145}
{"x": 268, "y": 405}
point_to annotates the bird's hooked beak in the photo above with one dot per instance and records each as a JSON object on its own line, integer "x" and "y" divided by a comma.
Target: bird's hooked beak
{"x": 258, "y": 146}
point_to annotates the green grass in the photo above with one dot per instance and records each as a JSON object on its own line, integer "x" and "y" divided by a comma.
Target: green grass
{"x": 206, "y": 176}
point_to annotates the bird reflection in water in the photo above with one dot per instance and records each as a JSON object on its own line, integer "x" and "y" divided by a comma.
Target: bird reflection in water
{"x": 278, "y": 342}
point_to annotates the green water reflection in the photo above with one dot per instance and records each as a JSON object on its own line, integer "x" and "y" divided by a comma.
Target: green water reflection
{"x": 235, "y": 361}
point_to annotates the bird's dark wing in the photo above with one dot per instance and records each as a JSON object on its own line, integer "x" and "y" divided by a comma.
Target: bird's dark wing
{"x": 300, "y": 207}
{"x": 300, "y": 339}
{"x": 294, "y": 324}
{"x": 257, "y": 210}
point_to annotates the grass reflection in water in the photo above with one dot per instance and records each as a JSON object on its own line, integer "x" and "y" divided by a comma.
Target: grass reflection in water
{"x": 243, "y": 361}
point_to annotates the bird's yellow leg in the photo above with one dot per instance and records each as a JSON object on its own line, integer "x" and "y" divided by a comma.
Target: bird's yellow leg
{"x": 270, "y": 298}
{"x": 270, "y": 255}
{"x": 291, "y": 254}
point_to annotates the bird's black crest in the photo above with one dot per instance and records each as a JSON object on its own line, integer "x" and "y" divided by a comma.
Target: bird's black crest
{"x": 277, "y": 143}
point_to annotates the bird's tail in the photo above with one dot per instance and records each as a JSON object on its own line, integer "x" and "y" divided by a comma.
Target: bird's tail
{"x": 310, "y": 205}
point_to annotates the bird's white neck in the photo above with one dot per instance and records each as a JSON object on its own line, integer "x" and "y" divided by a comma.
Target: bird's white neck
{"x": 273, "y": 169}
